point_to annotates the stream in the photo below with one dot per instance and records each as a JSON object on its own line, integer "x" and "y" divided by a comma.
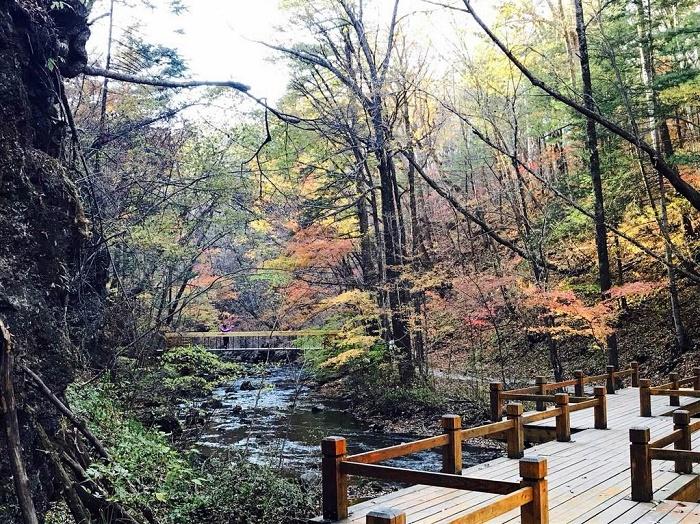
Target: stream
{"x": 282, "y": 424}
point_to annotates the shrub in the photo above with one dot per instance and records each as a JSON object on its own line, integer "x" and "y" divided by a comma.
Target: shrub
{"x": 194, "y": 371}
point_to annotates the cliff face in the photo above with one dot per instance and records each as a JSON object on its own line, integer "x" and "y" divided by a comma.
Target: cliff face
{"x": 43, "y": 231}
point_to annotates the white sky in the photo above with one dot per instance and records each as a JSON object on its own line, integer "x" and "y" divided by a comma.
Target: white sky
{"x": 219, "y": 37}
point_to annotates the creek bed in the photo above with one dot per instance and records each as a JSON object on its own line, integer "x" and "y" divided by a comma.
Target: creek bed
{"x": 281, "y": 424}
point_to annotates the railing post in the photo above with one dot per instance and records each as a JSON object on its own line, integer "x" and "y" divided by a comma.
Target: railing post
{"x": 385, "y": 516}
{"x": 681, "y": 420}
{"x": 334, "y": 483}
{"x": 578, "y": 387}
{"x": 533, "y": 471}
{"x": 640, "y": 465}
{"x": 540, "y": 382}
{"x": 495, "y": 389}
{"x": 610, "y": 381}
{"x": 674, "y": 400}
{"x": 644, "y": 397}
{"x": 600, "y": 411}
{"x": 563, "y": 423}
{"x": 696, "y": 382}
{"x": 635, "y": 373}
{"x": 452, "y": 451}
{"x": 515, "y": 436}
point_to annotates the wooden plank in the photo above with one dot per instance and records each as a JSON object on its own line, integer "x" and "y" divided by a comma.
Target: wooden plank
{"x": 674, "y": 454}
{"x": 399, "y": 450}
{"x": 443, "y": 480}
{"x": 541, "y": 415}
{"x": 678, "y": 392}
{"x": 527, "y": 397}
{"x": 488, "y": 429}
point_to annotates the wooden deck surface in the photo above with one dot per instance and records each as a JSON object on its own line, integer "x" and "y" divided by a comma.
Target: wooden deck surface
{"x": 589, "y": 478}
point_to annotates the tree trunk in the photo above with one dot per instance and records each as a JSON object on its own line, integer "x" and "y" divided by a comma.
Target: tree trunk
{"x": 661, "y": 140}
{"x": 601, "y": 240}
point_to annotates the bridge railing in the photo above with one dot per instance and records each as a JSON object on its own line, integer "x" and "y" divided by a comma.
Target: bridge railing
{"x": 643, "y": 451}
{"x": 540, "y": 392}
{"x": 337, "y": 465}
{"x": 673, "y": 389}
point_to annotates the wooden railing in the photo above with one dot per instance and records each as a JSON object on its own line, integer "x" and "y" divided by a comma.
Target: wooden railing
{"x": 539, "y": 392}
{"x": 673, "y": 389}
{"x": 530, "y": 494}
{"x": 244, "y": 340}
{"x": 642, "y": 452}
{"x": 337, "y": 465}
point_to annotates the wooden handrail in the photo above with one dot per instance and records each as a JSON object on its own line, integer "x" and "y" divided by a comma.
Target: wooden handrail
{"x": 497, "y": 508}
{"x": 538, "y": 392}
{"x": 541, "y": 415}
{"x": 530, "y": 494}
{"x": 399, "y": 450}
{"x": 666, "y": 439}
{"x": 643, "y": 451}
{"x": 488, "y": 429}
{"x": 674, "y": 390}
{"x": 428, "y": 478}
{"x": 674, "y": 454}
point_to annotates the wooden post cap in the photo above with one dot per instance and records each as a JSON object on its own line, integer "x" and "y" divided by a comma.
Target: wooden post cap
{"x": 333, "y": 446}
{"x": 696, "y": 371}
{"x": 533, "y": 468}
{"x": 578, "y": 373}
{"x": 644, "y": 382}
{"x": 599, "y": 391}
{"x": 451, "y": 421}
{"x": 561, "y": 399}
{"x": 634, "y": 364}
{"x": 495, "y": 386}
{"x": 386, "y": 516}
{"x": 514, "y": 409}
{"x": 673, "y": 376}
{"x": 681, "y": 417}
{"x": 639, "y": 435}
{"x": 540, "y": 379}
{"x": 610, "y": 368}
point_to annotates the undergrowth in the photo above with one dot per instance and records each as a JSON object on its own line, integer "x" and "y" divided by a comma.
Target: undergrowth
{"x": 180, "y": 486}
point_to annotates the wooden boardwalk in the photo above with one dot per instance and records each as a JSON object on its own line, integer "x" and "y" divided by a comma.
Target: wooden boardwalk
{"x": 589, "y": 477}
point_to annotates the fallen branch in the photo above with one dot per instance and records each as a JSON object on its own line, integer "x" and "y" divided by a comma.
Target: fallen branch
{"x": 9, "y": 416}
{"x": 75, "y": 506}
{"x": 100, "y": 500}
{"x": 77, "y": 422}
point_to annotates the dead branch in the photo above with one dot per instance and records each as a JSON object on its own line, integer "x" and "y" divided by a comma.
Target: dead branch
{"x": 163, "y": 82}
{"x": 180, "y": 84}
{"x": 80, "y": 514}
{"x": 9, "y": 416}
{"x": 77, "y": 422}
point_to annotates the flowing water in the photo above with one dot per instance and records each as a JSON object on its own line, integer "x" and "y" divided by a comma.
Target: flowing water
{"x": 282, "y": 424}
